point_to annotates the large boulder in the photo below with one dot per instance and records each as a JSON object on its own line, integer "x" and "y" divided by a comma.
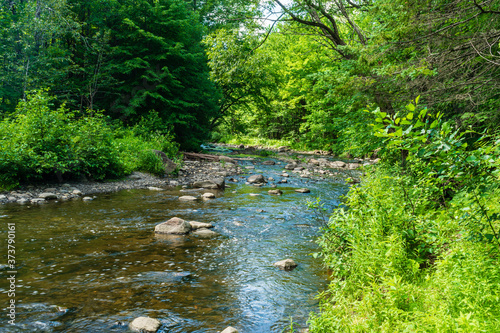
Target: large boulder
{"x": 169, "y": 165}
{"x": 175, "y": 226}
{"x": 213, "y": 184}
{"x": 256, "y": 179}
{"x": 145, "y": 324}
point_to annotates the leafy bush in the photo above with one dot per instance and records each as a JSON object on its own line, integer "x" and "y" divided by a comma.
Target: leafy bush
{"x": 41, "y": 142}
{"x": 417, "y": 249}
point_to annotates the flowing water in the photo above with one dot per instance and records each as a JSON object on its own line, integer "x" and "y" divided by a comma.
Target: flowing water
{"x": 95, "y": 266}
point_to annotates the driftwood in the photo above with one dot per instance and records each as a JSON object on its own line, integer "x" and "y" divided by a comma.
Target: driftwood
{"x": 207, "y": 157}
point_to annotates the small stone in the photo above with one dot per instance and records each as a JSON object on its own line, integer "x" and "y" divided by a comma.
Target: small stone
{"x": 208, "y": 195}
{"x": 23, "y": 201}
{"x": 285, "y": 175}
{"x": 303, "y": 190}
{"x": 230, "y": 330}
{"x": 175, "y": 226}
{"x": 3, "y": 197}
{"x": 87, "y": 198}
{"x": 198, "y": 225}
{"x": 145, "y": 324}
{"x": 275, "y": 192}
{"x": 188, "y": 198}
{"x": 37, "y": 201}
{"x": 269, "y": 162}
{"x": 135, "y": 176}
{"x": 284, "y": 181}
{"x": 271, "y": 179}
{"x": 253, "y": 194}
{"x": 47, "y": 196}
{"x": 338, "y": 164}
{"x": 249, "y": 167}
{"x": 51, "y": 189}
{"x": 287, "y": 264}
{"x": 77, "y": 192}
{"x": 290, "y": 166}
{"x": 205, "y": 233}
{"x": 152, "y": 188}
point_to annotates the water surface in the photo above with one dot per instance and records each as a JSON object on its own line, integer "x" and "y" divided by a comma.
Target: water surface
{"x": 95, "y": 266}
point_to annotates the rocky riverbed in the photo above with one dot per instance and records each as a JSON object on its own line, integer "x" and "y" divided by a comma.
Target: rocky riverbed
{"x": 190, "y": 173}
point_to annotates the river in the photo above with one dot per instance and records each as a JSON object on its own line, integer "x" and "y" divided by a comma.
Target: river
{"x": 95, "y": 266}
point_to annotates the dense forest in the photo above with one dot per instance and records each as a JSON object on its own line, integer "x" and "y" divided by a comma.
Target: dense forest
{"x": 89, "y": 87}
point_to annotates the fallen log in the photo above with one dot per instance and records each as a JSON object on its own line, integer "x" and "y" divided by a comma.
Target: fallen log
{"x": 208, "y": 157}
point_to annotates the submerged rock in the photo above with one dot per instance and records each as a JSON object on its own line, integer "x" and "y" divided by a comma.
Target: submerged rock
{"x": 175, "y": 226}
{"x": 303, "y": 190}
{"x": 269, "y": 162}
{"x": 145, "y": 324}
{"x": 287, "y": 264}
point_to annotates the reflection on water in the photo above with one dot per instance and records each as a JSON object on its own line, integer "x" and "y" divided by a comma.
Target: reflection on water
{"x": 94, "y": 266}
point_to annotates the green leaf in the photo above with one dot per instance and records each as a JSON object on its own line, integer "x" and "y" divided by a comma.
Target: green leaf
{"x": 409, "y": 116}
{"x": 411, "y": 107}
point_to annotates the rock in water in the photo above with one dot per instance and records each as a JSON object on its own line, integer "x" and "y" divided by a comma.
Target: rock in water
{"x": 256, "y": 179}
{"x": 303, "y": 190}
{"x": 213, "y": 184}
{"x": 275, "y": 192}
{"x": 175, "y": 226}
{"x": 287, "y": 264}
{"x": 188, "y": 198}
{"x": 198, "y": 225}
{"x": 48, "y": 196}
{"x": 205, "y": 233}
{"x": 208, "y": 195}
{"x": 230, "y": 330}
{"x": 145, "y": 324}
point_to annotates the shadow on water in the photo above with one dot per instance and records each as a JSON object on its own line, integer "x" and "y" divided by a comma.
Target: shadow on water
{"x": 94, "y": 266}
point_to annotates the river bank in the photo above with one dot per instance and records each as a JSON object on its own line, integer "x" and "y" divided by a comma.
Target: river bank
{"x": 304, "y": 164}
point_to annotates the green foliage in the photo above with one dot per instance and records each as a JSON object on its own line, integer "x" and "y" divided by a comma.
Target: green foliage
{"x": 106, "y": 55}
{"x": 57, "y": 143}
{"x": 398, "y": 265}
{"x": 150, "y": 162}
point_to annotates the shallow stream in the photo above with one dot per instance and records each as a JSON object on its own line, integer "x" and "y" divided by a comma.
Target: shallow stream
{"x": 95, "y": 266}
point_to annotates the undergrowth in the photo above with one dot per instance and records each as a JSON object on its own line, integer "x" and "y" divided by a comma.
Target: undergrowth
{"x": 416, "y": 248}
